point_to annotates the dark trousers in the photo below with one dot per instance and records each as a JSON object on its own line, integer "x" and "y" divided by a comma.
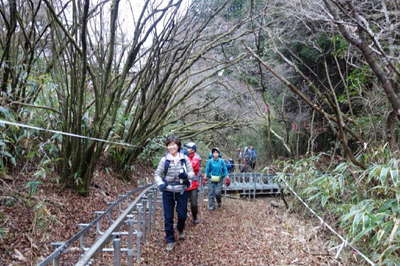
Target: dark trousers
{"x": 193, "y": 198}
{"x": 169, "y": 200}
{"x": 253, "y": 164}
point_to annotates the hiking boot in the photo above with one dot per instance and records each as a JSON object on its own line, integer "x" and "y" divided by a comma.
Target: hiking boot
{"x": 196, "y": 221}
{"x": 181, "y": 236}
{"x": 170, "y": 246}
{"x": 211, "y": 208}
{"x": 219, "y": 205}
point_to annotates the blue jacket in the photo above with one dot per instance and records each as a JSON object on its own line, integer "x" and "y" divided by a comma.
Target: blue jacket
{"x": 253, "y": 154}
{"x": 250, "y": 154}
{"x": 216, "y": 168}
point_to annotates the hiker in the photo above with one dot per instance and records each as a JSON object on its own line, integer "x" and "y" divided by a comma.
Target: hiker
{"x": 173, "y": 176}
{"x": 215, "y": 172}
{"x": 230, "y": 165}
{"x": 195, "y": 160}
{"x": 245, "y": 160}
{"x": 239, "y": 156}
{"x": 253, "y": 157}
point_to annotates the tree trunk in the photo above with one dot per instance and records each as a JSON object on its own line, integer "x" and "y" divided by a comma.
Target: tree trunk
{"x": 362, "y": 42}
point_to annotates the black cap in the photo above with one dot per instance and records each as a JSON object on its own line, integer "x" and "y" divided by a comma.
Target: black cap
{"x": 215, "y": 150}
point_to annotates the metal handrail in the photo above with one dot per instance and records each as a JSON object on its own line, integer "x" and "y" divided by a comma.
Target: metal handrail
{"x": 252, "y": 184}
{"x": 62, "y": 247}
{"x": 98, "y": 245}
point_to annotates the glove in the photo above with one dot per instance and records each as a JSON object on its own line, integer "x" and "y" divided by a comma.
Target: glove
{"x": 227, "y": 181}
{"x": 162, "y": 187}
{"x": 183, "y": 176}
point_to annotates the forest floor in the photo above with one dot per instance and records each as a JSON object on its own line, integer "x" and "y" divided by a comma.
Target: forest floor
{"x": 29, "y": 222}
{"x": 242, "y": 232}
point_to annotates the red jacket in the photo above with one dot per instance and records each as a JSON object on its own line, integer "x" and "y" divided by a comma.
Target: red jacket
{"x": 195, "y": 159}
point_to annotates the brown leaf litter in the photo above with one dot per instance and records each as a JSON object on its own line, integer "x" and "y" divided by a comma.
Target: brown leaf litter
{"x": 242, "y": 232}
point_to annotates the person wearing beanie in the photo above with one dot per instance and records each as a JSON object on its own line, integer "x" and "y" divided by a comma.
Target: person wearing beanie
{"x": 195, "y": 160}
{"x": 215, "y": 172}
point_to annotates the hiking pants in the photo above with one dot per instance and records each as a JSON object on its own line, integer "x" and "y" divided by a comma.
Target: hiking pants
{"x": 193, "y": 198}
{"x": 214, "y": 193}
{"x": 169, "y": 199}
{"x": 253, "y": 164}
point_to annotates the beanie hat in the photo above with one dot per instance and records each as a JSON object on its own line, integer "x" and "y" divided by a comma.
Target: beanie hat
{"x": 191, "y": 145}
{"x": 215, "y": 150}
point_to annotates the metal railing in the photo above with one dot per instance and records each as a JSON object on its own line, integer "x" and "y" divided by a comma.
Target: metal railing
{"x": 132, "y": 224}
{"x": 252, "y": 184}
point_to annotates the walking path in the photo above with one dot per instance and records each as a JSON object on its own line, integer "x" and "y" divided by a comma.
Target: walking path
{"x": 242, "y": 233}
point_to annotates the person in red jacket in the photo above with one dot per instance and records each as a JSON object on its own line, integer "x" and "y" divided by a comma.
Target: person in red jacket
{"x": 195, "y": 160}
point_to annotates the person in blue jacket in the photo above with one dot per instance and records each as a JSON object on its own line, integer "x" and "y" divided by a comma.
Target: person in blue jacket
{"x": 252, "y": 157}
{"x": 215, "y": 172}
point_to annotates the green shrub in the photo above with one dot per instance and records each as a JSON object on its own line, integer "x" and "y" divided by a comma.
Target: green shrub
{"x": 366, "y": 203}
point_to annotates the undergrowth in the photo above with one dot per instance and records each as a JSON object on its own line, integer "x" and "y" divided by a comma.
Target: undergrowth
{"x": 365, "y": 203}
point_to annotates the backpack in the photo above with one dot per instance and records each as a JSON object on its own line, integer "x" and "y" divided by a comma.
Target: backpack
{"x": 247, "y": 154}
{"x": 232, "y": 166}
{"x": 228, "y": 165}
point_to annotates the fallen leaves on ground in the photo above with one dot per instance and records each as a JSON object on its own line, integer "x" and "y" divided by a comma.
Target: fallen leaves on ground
{"x": 33, "y": 222}
{"x": 242, "y": 232}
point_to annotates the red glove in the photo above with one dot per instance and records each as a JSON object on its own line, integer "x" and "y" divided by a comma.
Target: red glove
{"x": 227, "y": 181}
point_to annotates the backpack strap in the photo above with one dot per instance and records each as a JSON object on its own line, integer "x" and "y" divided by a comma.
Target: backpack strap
{"x": 166, "y": 166}
{"x": 183, "y": 163}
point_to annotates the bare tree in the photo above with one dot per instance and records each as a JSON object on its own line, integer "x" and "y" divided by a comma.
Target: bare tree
{"x": 166, "y": 81}
{"x": 24, "y": 32}
{"x": 95, "y": 71}
{"x": 372, "y": 28}
{"x": 128, "y": 87}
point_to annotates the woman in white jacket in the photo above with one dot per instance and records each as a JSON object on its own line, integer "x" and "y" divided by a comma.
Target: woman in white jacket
{"x": 173, "y": 175}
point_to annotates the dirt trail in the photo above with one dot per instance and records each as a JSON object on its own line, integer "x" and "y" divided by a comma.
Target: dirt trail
{"x": 242, "y": 233}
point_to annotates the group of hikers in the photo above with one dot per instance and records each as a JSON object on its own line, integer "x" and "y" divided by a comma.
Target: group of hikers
{"x": 178, "y": 177}
{"x": 247, "y": 158}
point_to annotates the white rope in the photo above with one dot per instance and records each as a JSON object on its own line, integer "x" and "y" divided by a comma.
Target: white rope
{"x": 344, "y": 241}
{"x": 69, "y": 134}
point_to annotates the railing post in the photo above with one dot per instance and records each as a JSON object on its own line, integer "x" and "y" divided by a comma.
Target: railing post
{"x": 138, "y": 233}
{"x": 244, "y": 184}
{"x": 130, "y": 241}
{"x": 250, "y": 184}
{"x": 145, "y": 203}
{"x": 117, "y": 251}
{"x": 98, "y": 224}
{"x": 140, "y": 229}
{"x": 82, "y": 237}
{"x": 255, "y": 185}
{"x": 120, "y": 198}
{"x": 151, "y": 207}
{"x": 140, "y": 216}
{"x": 56, "y": 260}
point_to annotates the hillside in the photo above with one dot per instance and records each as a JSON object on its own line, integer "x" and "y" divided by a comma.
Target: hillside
{"x": 50, "y": 214}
